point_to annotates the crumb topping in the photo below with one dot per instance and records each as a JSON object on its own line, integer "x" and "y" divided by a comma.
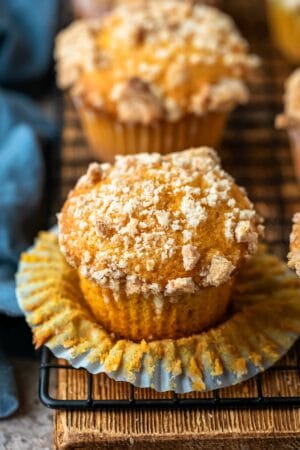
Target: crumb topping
{"x": 219, "y": 271}
{"x": 154, "y": 60}
{"x": 190, "y": 256}
{"x": 160, "y": 224}
{"x": 291, "y": 115}
{"x": 181, "y": 286}
{"x": 294, "y": 255}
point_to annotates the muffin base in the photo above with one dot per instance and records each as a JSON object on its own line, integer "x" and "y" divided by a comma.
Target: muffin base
{"x": 285, "y": 29}
{"x": 135, "y": 317}
{"x": 107, "y": 137}
{"x": 263, "y": 324}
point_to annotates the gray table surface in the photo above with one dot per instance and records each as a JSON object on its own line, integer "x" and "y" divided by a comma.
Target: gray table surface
{"x": 30, "y": 428}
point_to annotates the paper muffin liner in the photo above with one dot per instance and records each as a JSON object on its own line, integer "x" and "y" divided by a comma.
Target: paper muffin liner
{"x": 108, "y": 137}
{"x": 294, "y": 137}
{"x": 135, "y": 317}
{"x": 262, "y": 324}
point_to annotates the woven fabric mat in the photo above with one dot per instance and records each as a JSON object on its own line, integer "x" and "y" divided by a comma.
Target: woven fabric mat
{"x": 259, "y": 158}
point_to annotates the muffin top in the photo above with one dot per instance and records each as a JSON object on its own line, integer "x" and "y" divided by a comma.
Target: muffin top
{"x": 294, "y": 255}
{"x": 289, "y": 4}
{"x": 291, "y": 115}
{"x": 160, "y": 224}
{"x": 160, "y": 60}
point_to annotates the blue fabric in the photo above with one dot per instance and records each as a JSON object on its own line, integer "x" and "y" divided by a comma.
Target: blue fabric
{"x": 21, "y": 181}
{"x": 27, "y": 29}
{"x": 9, "y": 402}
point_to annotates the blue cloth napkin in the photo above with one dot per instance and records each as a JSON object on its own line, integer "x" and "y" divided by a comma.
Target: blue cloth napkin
{"x": 8, "y": 394}
{"x": 21, "y": 180}
{"x": 27, "y": 29}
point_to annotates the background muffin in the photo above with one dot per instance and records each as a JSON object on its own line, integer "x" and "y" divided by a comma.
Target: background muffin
{"x": 284, "y": 20}
{"x": 157, "y": 241}
{"x": 95, "y": 8}
{"x": 294, "y": 255}
{"x": 159, "y": 78}
{"x": 290, "y": 119}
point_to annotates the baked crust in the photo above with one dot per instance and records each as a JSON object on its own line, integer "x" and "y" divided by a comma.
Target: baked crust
{"x": 291, "y": 116}
{"x": 294, "y": 255}
{"x": 163, "y": 60}
{"x": 158, "y": 224}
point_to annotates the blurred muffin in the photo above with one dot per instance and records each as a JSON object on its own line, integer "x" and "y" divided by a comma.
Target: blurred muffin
{"x": 284, "y": 21}
{"x": 157, "y": 241}
{"x": 290, "y": 119}
{"x": 96, "y": 8}
{"x": 160, "y": 78}
{"x": 91, "y": 8}
{"x": 294, "y": 255}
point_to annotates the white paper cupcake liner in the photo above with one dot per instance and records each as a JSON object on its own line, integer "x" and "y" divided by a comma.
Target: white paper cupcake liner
{"x": 262, "y": 325}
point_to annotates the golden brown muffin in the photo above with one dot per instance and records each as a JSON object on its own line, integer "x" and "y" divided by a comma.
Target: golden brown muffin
{"x": 294, "y": 255}
{"x": 290, "y": 119}
{"x": 157, "y": 241}
{"x": 159, "y": 78}
{"x": 284, "y": 21}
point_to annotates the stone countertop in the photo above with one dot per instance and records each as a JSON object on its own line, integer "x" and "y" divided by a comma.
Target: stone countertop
{"x": 30, "y": 428}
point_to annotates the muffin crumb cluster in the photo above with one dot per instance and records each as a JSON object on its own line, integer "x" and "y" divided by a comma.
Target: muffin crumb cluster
{"x": 161, "y": 224}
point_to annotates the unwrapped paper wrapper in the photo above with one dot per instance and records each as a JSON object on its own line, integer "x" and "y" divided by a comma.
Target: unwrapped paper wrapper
{"x": 262, "y": 324}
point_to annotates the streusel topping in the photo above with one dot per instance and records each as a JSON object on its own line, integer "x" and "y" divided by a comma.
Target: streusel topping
{"x": 161, "y": 224}
{"x": 145, "y": 62}
{"x": 291, "y": 115}
{"x": 294, "y": 255}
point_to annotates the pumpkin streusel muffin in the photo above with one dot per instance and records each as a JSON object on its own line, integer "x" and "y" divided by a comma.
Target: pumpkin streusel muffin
{"x": 290, "y": 119}
{"x": 294, "y": 255}
{"x": 159, "y": 77}
{"x": 284, "y": 21}
{"x": 157, "y": 241}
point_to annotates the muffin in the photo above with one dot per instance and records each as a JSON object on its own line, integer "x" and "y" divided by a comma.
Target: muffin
{"x": 160, "y": 77}
{"x": 96, "y": 8}
{"x": 284, "y": 22}
{"x": 90, "y": 8}
{"x": 157, "y": 241}
{"x": 294, "y": 255}
{"x": 290, "y": 119}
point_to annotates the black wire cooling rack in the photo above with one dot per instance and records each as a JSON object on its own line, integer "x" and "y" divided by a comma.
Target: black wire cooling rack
{"x": 268, "y": 176}
{"x": 259, "y": 159}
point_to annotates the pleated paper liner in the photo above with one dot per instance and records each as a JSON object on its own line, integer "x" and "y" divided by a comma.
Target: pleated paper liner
{"x": 108, "y": 137}
{"x": 294, "y": 136}
{"x": 263, "y": 323}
